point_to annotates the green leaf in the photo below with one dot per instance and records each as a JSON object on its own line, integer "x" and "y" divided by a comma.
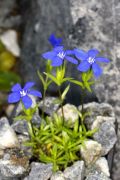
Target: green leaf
{"x": 48, "y": 66}
{"x": 76, "y": 126}
{"x": 77, "y": 83}
{"x": 41, "y": 78}
{"x": 65, "y": 92}
{"x": 54, "y": 79}
{"x": 88, "y": 86}
{"x": 21, "y": 117}
{"x": 66, "y": 79}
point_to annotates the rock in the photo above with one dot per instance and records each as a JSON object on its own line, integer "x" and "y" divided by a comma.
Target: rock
{"x": 13, "y": 165}
{"x": 106, "y": 136}
{"x": 102, "y": 117}
{"x": 8, "y": 138}
{"x": 40, "y": 171}
{"x": 26, "y": 149}
{"x": 70, "y": 112}
{"x": 9, "y": 110}
{"x": 76, "y": 171}
{"x": 57, "y": 176}
{"x": 20, "y": 127}
{"x": 50, "y": 105}
{"x": 9, "y": 14}
{"x": 9, "y": 39}
{"x": 91, "y": 151}
{"x": 97, "y": 175}
{"x": 98, "y": 109}
{"x": 102, "y": 165}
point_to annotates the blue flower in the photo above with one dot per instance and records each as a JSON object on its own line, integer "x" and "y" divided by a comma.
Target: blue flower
{"x": 58, "y": 54}
{"x": 89, "y": 61}
{"x": 55, "y": 41}
{"x": 23, "y": 94}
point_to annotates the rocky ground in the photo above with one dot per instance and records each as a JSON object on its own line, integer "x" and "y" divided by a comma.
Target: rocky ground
{"x": 16, "y": 162}
{"x": 85, "y": 24}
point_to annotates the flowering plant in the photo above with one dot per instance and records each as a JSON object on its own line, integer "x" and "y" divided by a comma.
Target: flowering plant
{"x": 56, "y": 140}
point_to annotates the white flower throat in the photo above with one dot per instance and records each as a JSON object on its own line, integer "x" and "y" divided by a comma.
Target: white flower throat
{"x": 91, "y": 60}
{"x": 23, "y": 93}
{"x": 61, "y": 55}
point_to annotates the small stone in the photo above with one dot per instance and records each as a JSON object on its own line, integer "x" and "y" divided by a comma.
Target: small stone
{"x": 20, "y": 127}
{"x": 76, "y": 171}
{"x": 70, "y": 112}
{"x": 50, "y": 105}
{"x": 13, "y": 165}
{"x": 26, "y": 149}
{"x": 97, "y": 175}
{"x": 91, "y": 151}
{"x": 8, "y": 138}
{"x": 106, "y": 136}
{"x": 9, "y": 110}
{"x": 40, "y": 171}
{"x": 9, "y": 39}
{"x": 95, "y": 110}
{"x": 102, "y": 165}
{"x": 58, "y": 176}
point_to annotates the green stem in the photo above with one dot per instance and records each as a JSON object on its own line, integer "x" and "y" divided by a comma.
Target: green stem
{"x": 44, "y": 95}
{"x": 43, "y": 111}
{"x": 82, "y": 101}
{"x": 30, "y": 127}
{"x": 60, "y": 96}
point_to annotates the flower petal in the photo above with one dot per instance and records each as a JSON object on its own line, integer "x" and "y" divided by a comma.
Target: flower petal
{"x": 14, "y": 97}
{"x": 80, "y": 54}
{"x": 35, "y": 93}
{"x": 27, "y": 101}
{"x": 69, "y": 52}
{"x": 96, "y": 70}
{"x": 84, "y": 66}
{"x": 58, "y": 49}
{"x": 102, "y": 59}
{"x": 28, "y": 85}
{"x": 54, "y": 41}
{"x": 49, "y": 55}
{"x": 16, "y": 87}
{"x": 57, "y": 61}
{"x": 71, "y": 59}
{"x": 93, "y": 52}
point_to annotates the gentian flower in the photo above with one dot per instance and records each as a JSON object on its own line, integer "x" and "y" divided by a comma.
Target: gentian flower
{"x": 23, "y": 94}
{"x": 55, "y": 41}
{"x": 58, "y": 54}
{"x": 89, "y": 61}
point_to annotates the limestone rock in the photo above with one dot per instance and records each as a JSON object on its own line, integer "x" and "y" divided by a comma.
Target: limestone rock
{"x": 98, "y": 109}
{"x": 13, "y": 165}
{"x": 40, "y": 171}
{"x": 91, "y": 151}
{"x": 57, "y": 176}
{"x": 102, "y": 165}
{"x": 97, "y": 175}
{"x": 50, "y": 105}
{"x": 8, "y": 138}
{"x": 106, "y": 136}
{"x": 9, "y": 39}
{"x": 76, "y": 171}
{"x": 70, "y": 113}
{"x": 20, "y": 127}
